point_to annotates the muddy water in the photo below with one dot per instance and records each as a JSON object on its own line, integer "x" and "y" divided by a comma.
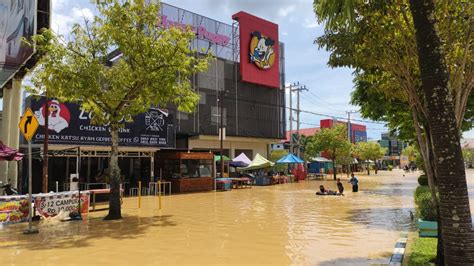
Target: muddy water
{"x": 278, "y": 225}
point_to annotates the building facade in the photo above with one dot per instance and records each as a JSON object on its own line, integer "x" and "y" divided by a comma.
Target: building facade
{"x": 393, "y": 155}
{"x": 243, "y": 88}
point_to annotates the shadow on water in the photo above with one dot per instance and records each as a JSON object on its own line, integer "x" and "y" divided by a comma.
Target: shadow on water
{"x": 354, "y": 261}
{"x": 64, "y": 235}
{"x": 399, "y": 218}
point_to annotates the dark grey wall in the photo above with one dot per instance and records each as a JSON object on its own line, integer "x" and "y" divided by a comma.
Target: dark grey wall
{"x": 250, "y": 110}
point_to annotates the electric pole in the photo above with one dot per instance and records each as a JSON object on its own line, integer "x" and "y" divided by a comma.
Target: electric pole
{"x": 349, "y": 134}
{"x": 221, "y": 128}
{"x": 45, "y": 144}
{"x": 290, "y": 87}
{"x": 298, "y": 90}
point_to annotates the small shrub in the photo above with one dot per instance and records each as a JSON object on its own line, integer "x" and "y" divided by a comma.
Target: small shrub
{"x": 423, "y": 251}
{"x": 423, "y": 180}
{"x": 425, "y": 208}
{"x": 390, "y": 167}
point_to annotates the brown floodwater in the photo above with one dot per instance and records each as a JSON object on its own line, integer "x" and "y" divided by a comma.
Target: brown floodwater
{"x": 279, "y": 225}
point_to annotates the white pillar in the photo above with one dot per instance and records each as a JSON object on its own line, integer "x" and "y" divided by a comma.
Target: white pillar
{"x": 7, "y": 91}
{"x": 14, "y": 140}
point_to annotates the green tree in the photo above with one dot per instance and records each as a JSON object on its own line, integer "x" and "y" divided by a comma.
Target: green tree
{"x": 154, "y": 69}
{"x": 333, "y": 141}
{"x": 367, "y": 151}
{"x": 382, "y": 41}
{"x": 277, "y": 155}
{"x": 468, "y": 155}
{"x": 411, "y": 153}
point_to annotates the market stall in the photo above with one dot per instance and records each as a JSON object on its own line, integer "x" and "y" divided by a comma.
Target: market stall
{"x": 187, "y": 171}
{"x": 298, "y": 171}
{"x": 217, "y": 159}
{"x": 258, "y": 165}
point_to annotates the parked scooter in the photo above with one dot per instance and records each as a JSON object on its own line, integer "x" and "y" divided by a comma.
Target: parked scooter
{"x": 8, "y": 189}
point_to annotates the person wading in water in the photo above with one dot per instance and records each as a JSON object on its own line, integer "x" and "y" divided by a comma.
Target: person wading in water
{"x": 354, "y": 182}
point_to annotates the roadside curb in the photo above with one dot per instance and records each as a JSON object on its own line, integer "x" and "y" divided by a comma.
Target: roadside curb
{"x": 399, "y": 251}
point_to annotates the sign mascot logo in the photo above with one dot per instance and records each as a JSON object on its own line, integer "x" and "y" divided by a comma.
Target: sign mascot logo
{"x": 59, "y": 116}
{"x": 262, "y": 52}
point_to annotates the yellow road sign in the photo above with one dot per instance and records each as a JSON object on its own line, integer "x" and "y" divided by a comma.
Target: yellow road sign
{"x": 28, "y": 124}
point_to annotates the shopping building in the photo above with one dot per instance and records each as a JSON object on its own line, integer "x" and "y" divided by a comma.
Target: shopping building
{"x": 393, "y": 156}
{"x": 243, "y": 88}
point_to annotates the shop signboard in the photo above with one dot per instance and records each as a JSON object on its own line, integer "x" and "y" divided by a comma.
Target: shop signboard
{"x": 211, "y": 36}
{"x": 51, "y": 204}
{"x": 359, "y": 136}
{"x": 71, "y": 125}
{"x": 13, "y": 209}
{"x": 259, "y": 50}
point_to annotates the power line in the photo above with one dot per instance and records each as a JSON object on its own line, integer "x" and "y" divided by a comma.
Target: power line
{"x": 305, "y": 111}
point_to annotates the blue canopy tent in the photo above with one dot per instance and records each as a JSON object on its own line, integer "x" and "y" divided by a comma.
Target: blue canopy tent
{"x": 290, "y": 158}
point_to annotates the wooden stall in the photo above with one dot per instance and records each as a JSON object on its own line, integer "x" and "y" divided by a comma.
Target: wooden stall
{"x": 187, "y": 171}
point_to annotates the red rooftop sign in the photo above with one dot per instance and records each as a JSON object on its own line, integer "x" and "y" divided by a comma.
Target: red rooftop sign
{"x": 259, "y": 50}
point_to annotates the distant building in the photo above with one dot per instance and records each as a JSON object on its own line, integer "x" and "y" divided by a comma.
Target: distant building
{"x": 358, "y": 132}
{"x": 394, "y": 147}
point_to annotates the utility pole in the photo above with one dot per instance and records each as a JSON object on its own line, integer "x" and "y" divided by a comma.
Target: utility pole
{"x": 349, "y": 135}
{"x": 298, "y": 90}
{"x": 290, "y": 87}
{"x": 221, "y": 128}
{"x": 45, "y": 144}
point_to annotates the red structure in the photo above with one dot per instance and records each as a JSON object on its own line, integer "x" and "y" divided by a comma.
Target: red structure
{"x": 358, "y": 132}
{"x": 259, "y": 50}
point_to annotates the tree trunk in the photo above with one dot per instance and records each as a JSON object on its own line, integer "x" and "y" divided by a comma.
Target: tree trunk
{"x": 114, "y": 201}
{"x": 376, "y": 167}
{"x": 368, "y": 168}
{"x": 454, "y": 208}
{"x": 427, "y": 154}
{"x": 334, "y": 168}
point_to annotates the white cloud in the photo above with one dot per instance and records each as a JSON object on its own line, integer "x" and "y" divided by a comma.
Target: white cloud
{"x": 82, "y": 13}
{"x": 311, "y": 23}
{"x": 62, "y": 22}
{"x": 57, "y": 5}
{"x": 285, "y": 11}
{"x": 284, "y": 33}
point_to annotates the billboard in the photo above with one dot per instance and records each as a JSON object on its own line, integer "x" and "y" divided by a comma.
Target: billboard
{"x": 17, "y": 20}
{"x": 211, "y": 35}
{"x": 259, "y": 50}
{"x": 68, "y": 124}
{"x": 359, "y": 136}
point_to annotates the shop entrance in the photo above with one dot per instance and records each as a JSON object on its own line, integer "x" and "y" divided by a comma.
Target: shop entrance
{"x": 92, "y": 166}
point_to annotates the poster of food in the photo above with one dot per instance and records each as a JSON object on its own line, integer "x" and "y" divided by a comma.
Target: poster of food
{"x": 51, "y": 204}
{"x": 13, "y": 209}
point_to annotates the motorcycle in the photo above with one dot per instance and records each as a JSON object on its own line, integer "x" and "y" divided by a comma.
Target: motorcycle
{"x": 8, "y": 190}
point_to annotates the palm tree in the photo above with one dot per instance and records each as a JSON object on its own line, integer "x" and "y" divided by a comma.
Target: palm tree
{"x": 454, "y": 211}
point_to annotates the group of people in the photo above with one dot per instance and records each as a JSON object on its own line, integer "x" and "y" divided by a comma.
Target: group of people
{"x": 340, "y": 187}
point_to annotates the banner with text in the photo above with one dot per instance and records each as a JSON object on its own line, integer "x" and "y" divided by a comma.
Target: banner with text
{"x": 51, "y": 204}
{"x": 70, "y": 125}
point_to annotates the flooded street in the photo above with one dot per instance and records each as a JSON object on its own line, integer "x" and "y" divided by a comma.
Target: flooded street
{"x": 279, "y": 225}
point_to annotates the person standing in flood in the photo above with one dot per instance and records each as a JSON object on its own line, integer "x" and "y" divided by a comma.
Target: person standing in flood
{"x": 354, "y": 182}
{"x": 340, "y": 187}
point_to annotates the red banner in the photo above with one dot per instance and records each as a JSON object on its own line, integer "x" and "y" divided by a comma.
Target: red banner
{"x": 259, "y": 50}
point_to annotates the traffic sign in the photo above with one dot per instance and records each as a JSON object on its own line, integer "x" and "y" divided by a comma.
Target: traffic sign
{"x": 28, "y": 124}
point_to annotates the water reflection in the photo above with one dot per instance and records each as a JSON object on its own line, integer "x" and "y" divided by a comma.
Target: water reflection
{"x": 279, "y": 225}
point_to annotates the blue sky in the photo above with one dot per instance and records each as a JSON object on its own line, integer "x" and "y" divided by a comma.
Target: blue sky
{"x": 329, "y": 89}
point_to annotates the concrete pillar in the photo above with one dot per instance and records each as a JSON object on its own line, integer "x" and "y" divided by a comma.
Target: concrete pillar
{"x": 14, "y": 141}
{"x": 12, "y": 98}
{"x": 7, "y": 91}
